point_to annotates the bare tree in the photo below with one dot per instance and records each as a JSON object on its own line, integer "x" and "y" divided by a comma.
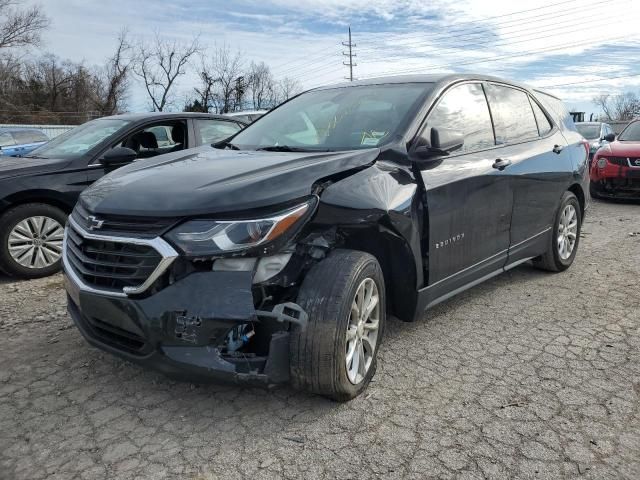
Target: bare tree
{"x": 205, "y": 91}
{"x": 225, "y": 69}
{"x": 159, "y": 64}
{"x": 261, "y": 85}
{"x": 287, "y": 88}
{"x": 619, "y": 107}
{"x": 112, "y": 81}
{"x": 20, "y": 27}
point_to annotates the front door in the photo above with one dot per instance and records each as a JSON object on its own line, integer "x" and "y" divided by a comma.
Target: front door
{"x": 468, "y": 197}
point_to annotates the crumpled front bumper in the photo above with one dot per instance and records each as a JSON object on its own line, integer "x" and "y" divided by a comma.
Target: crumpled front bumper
{"x": 178, "y": 330}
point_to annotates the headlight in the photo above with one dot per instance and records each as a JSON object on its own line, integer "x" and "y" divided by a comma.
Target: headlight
{"x": 602, "y": 162}
{"x": 215, "y": 237}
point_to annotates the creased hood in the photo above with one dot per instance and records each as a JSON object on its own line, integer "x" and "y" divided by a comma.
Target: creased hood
{"x": 15, "y": 166}
{"x": 207, "y": 181}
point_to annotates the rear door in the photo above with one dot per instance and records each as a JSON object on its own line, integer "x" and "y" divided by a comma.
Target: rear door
{"x": 468, "y": 200}
{"x": 539, "y": 167}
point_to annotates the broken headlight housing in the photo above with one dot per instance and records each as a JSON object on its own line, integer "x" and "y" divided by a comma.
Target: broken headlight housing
{"x": 200, "y": 238}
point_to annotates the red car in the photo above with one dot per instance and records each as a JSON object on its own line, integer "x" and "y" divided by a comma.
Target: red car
{"x": 615, "y": 170}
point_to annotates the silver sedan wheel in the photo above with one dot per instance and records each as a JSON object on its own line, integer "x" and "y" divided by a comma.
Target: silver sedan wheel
{"x": 362, "y": 330}
{"x": 36, "y": 242}
{"x": 567, "y": 231}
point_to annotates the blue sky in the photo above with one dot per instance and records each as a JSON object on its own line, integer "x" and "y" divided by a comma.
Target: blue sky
{"x": 585, "y": 43}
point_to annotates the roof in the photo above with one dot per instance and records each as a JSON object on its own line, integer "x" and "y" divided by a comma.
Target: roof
{"x": 246, "y": 112}
{"x": 442, "y": 78}
{"x": 168, "y": 115}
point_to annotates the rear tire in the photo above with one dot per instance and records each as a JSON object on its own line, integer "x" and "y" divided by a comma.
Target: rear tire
{"x": 31, "y": 240}
{"x": 565, "y": 237}
{"x": 331, "y": 294}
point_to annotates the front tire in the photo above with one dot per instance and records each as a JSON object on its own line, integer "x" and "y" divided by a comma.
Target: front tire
{"x": 565, "y": 237}
{"x": 31, "y": 240}
{"x": 336, "y": 354}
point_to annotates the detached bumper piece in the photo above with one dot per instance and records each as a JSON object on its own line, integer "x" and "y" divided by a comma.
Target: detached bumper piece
{"x": 182, "y": 330}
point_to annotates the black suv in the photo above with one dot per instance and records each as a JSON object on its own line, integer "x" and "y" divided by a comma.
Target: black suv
{"x": 39, "y": 190}
{"x": 277, "y": 256}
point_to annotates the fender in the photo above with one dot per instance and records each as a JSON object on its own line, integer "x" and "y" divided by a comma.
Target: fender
{"x": 378, "y": 210}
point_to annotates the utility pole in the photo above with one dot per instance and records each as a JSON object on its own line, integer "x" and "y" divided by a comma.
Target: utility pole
{"x": 350, "y": 54}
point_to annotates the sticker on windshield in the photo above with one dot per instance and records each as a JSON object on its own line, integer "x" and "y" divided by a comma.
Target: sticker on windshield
{"x": 372, "y": 138}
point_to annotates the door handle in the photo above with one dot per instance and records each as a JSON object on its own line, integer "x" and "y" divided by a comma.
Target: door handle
{"x": 501, "y": 163}
{"x": 557, "y": 148}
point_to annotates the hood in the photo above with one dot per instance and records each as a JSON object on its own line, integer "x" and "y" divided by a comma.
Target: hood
{"x": 621, "y": 149}
{"x": 16, "y": 166}
{"x": 209, "y": 181}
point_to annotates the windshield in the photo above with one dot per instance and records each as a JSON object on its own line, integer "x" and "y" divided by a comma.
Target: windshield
{"x": 631, "y": 133}
{"x": 590, "y": 132}
{"x": 344, "y": 118}
{"x": 80, "y": 140}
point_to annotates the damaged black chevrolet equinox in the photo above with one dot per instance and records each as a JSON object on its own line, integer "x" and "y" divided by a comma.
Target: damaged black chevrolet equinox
{"x": 277, "y": 256}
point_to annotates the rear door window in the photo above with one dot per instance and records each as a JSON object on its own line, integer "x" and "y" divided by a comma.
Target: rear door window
{"x": 464, "y": 109}
{"x": 513, "y": 117}
{"x": 544, "y": 125}
{"x": 557, "y": 109}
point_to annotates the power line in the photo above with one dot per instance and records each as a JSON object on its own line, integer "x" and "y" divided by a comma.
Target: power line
{"x": 509, "y": 43}
{"x": 349, "y": 44}
{"x": 304, "y": 59}
{"x": 602, "y": 79}
{"x": 482, "y": 29}
{"x": 502, "y": 57}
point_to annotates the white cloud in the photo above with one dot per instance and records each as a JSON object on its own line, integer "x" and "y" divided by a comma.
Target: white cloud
{"x": 301, "y": 38}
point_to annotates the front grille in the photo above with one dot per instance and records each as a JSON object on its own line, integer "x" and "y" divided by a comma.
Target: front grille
{"x": 109, "y": 265}
{"x": 621, "y": 161}
{"x": 143, "y": 227}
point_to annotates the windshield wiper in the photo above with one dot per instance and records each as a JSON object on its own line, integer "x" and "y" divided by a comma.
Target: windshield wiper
{"x": 33, "y": 156}
{"x": 287, "y": 148}
{"x": 224, "y": 144}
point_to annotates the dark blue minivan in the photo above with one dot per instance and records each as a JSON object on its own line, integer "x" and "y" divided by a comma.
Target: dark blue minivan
{"x": 20, "y": 141}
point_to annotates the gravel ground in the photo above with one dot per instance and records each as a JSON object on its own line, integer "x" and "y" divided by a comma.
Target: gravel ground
{"x": 531, "y": 375}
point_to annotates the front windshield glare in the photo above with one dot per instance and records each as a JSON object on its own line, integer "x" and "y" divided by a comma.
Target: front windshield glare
{"x": 631, "y": 133}
{"x": 343, "y": 118}
{"x": 78, "y": 141}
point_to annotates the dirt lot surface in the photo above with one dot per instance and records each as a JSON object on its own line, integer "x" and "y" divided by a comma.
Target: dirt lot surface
{"x": 531, "y": 375}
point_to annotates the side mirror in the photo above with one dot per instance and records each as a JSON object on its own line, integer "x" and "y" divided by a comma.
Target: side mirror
{"x": 610, "y": 137}
{"x": 118, "y": 156}
{"x": 442, "y": 142}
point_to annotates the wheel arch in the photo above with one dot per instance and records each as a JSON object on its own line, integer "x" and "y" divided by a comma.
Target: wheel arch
{"x": 396, "y": 260}
{"x": 47, "y": 197}
{"x": 577, "y": 190}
